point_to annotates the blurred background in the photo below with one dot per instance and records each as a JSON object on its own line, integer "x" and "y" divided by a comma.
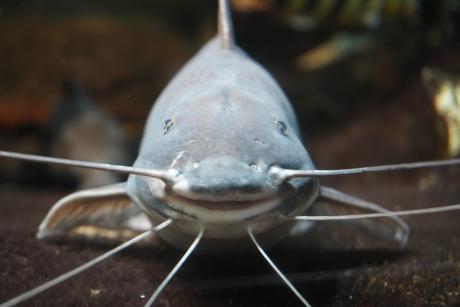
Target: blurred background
{"x": 336, "y": 61}
{"x": 372, "y": 82}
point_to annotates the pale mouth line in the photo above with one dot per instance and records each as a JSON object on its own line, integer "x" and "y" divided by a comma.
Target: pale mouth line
{"x": 216, "y": 212}
{"x": 221, "y": 205}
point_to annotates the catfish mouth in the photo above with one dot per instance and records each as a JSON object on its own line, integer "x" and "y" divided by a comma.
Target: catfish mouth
{"x": 237, "y": 198}
{"x": 222, "y": 212}
{"x": 220, "y": 205}
{"x": 225, "y": 210}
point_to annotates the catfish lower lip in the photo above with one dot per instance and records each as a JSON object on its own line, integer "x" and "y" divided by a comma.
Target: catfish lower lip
{"x": 219, "y": 205}
{"x": 224, "y": 212}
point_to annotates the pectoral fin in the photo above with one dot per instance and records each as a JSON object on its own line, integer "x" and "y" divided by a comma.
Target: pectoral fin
{"x": 333, "y": 202}
{"x": 105, "y": 213}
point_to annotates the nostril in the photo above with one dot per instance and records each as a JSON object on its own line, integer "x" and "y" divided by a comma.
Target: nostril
{"x": 167, "y": 124}
{"x": 253, "y": 166}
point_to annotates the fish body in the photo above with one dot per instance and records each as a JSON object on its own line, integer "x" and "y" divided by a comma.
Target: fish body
{"x": 221, "y": 151}
{"x": 220, "y": 125}
{"x": 78, "y": 129}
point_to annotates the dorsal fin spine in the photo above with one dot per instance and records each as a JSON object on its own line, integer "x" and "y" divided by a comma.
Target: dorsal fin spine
{"x": 225, "y": 26}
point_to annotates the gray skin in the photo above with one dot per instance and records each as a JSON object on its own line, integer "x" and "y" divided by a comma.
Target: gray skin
{"x": 219, "y": 126}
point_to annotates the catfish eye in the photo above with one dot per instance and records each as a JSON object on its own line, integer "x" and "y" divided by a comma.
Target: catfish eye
{"x": 167, "y": 124}
{"x": 282, "y": 127}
